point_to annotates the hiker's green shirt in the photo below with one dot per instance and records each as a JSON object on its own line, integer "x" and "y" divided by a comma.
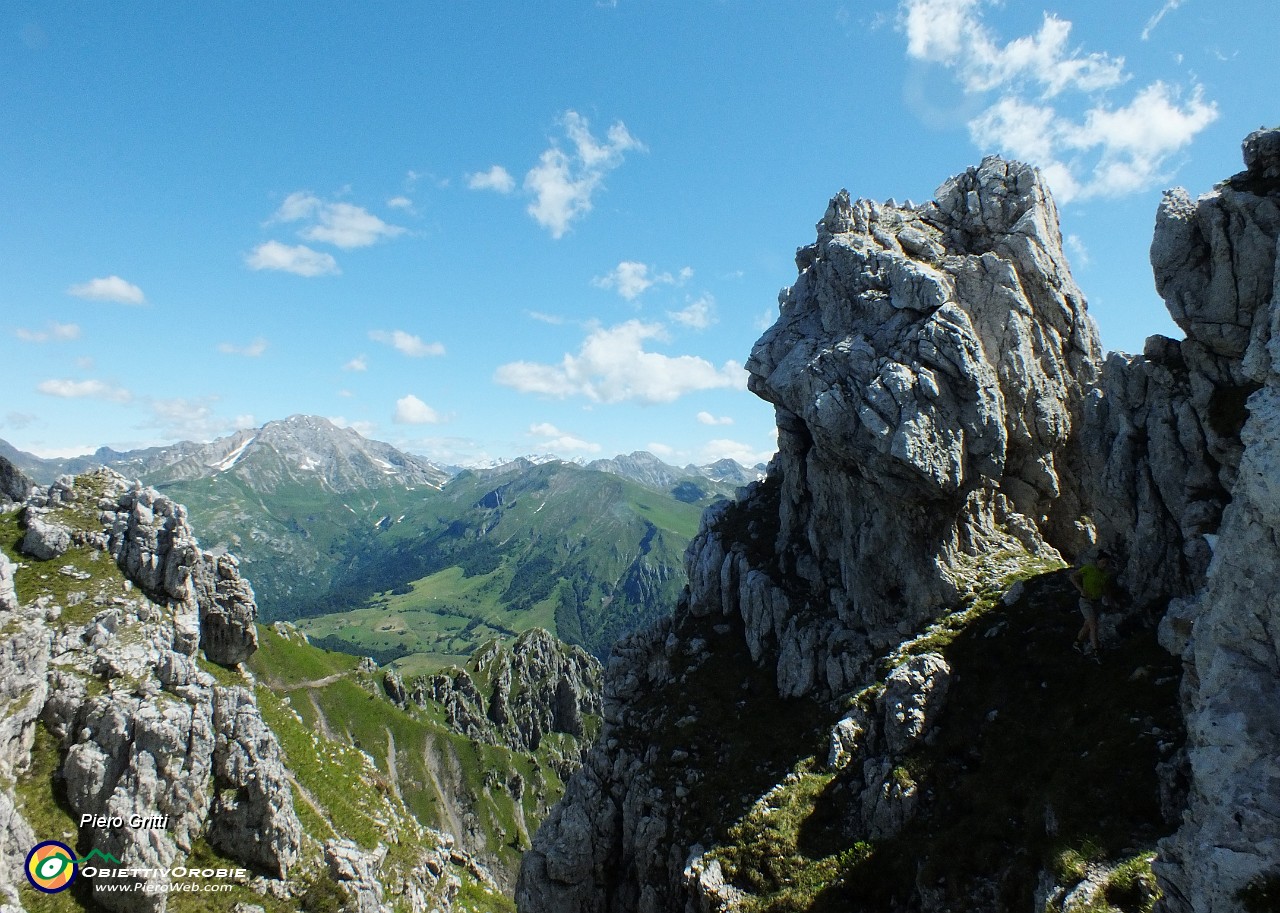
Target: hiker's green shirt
{"x": 1094, "y": 581}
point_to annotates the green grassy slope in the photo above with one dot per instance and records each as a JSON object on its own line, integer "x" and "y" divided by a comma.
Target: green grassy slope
{"x": 323, "y": 707}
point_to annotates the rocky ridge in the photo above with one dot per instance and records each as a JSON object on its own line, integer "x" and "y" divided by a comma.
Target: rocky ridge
{"x": 514, "y": 695}
{"x": 944, "y": 410}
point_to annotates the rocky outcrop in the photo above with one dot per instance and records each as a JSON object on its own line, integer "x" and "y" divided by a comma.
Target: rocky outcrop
{"x": 1217, "y": 263}
{"x": 112, "y": 673}
{"x": 14, "y": 484}
{"x": 942, "y": 401}
{"x": 536, "y": 686}
{"x": 929, "y": 370}
{"x": 44, "y": 540}
{"x": 155, "y": 547}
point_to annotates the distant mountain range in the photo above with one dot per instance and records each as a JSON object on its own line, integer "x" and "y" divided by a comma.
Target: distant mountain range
{"x": 393, "y": 555}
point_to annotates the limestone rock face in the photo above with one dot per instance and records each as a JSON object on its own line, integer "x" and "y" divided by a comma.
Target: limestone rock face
{"x": 24, "y": 661}
{"x": 1226, "y": 291}
{"x": 154, "y": 545}
{"x": 44, "y": 540}
{"x": 142, "y": 729}
{"x": 941, "y": 397}
{"x": 929, "y": 368}
{"x": 252, "y": 814}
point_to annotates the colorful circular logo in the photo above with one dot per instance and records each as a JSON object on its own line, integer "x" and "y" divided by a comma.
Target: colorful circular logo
{"x": 51, "y": 867}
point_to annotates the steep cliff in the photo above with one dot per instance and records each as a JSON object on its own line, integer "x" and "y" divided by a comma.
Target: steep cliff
{"x": 1217, "y": 263}
{"x": 946, "y": 425}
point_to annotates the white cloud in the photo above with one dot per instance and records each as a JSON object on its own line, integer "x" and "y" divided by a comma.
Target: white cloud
{"x": 664, "y": 451}
{"x": 632, "y": 278}
{"x": 347, "y": 226}
{"x": 359, "y": 363}
{"x": 612, "y": 366}
{"x": 84, "y": 389}
{"x": 412, "y": 411}
{"x": 952, "y": 33}
{"x": 401, "y": 203}
{"x": 299, "y": 259}
{"x": 628, "y": 277}
{"x": 1169, "y": 7}
{"x": 552, "y": 319}
{"x": 557, "y": 441}
{"x": 563, "y": 183}
{"x": 496, "y": 178}
{"x": 706, "y": 418}
{"x": 56, "y": 332}
{"x": 724, "y": 448}
{"x": 407, "y": 344}
{"x": 109, "y": 288}
{"x": 1053, "y": 108}
{"x": 343, "y": 225}
{"x": 252, "y": 350}
{"x": 698, "y": 315}
{"x": 298, "y": 205}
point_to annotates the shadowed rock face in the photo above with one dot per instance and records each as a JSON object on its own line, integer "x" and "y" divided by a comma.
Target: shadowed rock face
{"x": 1216, "y": 264}
{"x": 941, "y": 397}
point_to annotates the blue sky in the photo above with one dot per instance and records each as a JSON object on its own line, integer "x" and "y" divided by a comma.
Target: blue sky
{"x": 485, "y": 229}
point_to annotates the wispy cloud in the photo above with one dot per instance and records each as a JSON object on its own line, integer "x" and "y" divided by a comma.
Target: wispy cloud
{"x": 1054, "y": 104}
{"x": 706, "y": 418}
{"x": 406, "y": 343}
{"x": 84, "y": 389}
{"x": 412, "y": 411}
{"x": 401, "y": 203}
{"x": 54, "y": 332}
{"x": 193, "y": 419}
{"x": 631, "y": 278}
{"x": 497, "y": 179}
{"x": 298, "y": 259}
{"x": 252, "y": 350}
{"x": 1079, "y": 252}
{"x": 359, "y": 363}
{"x": 344, "y": 225}
{"x": 563, "y": 183}
{"x": 109, "y": 288}
{"x": 360, "y": 427}
{"x": 557, "y": 441}
{"x": 613, "y": 366}
{"x": 1169, "y": 7}
{"x": 697, "y": 315}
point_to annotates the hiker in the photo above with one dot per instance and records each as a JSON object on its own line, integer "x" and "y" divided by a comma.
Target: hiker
{"x": 1094, "y": 582}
